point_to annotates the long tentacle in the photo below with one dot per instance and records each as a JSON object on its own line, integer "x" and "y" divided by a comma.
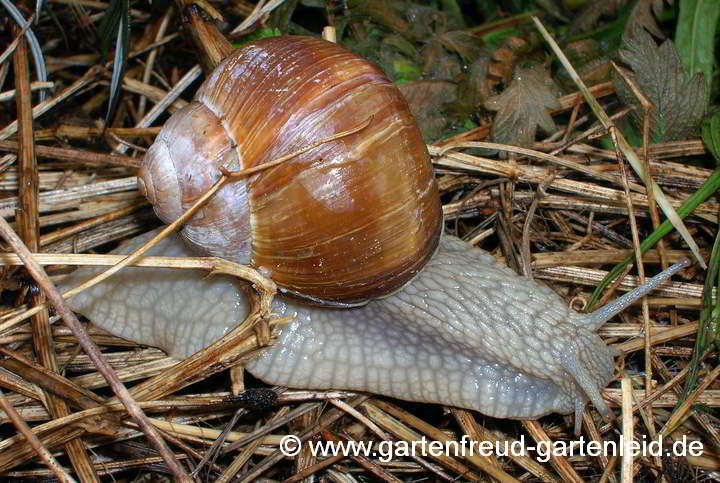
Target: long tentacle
{"x": 602, "y": 315}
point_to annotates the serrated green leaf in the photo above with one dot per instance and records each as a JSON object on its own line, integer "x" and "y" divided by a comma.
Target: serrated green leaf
{"x": 679, "y": 99}
{"x": 695, "y": 35}
{"x": 711, "y": 135}
{"x": 523, "y": 107}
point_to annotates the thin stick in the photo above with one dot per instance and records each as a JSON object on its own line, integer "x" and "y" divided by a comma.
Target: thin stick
{"x": 270, "y": 164}
{"x": 150, "y": 63}
{"x": 626, "y": 468}
{"x": 680, "y": 413}
{"x": 648, "y": 109}
{"x": 34, "y": 441}
{"x": 29, "y": 229}
{"x": 172, "y": 95}
{"x": 45, "y": 106}
{"x": 76, "y": 155}
{"x": 18, "y": 35}
{"x": 56, "y": 299}
{"x": 641, "y": 276}
{"x": 581, "y": 168}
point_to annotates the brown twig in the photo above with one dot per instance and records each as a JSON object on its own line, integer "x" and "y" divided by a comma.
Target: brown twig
{"x": 92, "y": 350}
{"x": 28, "y": 225}
{"x": 641, "y": 275}
{"x": 75, "y": 155}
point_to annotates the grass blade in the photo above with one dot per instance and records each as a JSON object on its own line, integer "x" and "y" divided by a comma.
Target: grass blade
{"x": 116, "y": 24}
{"x": 695, "y": 35}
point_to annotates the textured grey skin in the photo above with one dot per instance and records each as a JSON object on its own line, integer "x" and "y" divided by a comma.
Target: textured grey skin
{"x": 466, "y": 332}
{"x": 179, "y": 311}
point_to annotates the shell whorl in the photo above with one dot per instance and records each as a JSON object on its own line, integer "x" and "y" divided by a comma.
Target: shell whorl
{"x": 181, "y": 165}
{"x": 350, "y": 220}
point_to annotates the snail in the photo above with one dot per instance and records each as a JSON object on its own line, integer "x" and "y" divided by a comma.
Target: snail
{"x": 450, "y": 325}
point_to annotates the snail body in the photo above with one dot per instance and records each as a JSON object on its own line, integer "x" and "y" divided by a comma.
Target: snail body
{"x": 353, "y": 219}
{"x": 466, "y": 332}
{"x": 347, "y": 222}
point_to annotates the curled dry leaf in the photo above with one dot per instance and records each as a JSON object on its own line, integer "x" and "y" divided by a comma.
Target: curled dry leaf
{"x": 438, "y": 63}
{"x": 524, "y": 106}
{"x": 679, "y": 99}
{"x": 426, "y": 21}
{"x": 462, "y": 42}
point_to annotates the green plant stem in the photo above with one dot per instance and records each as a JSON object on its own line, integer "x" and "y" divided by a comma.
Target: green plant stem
{"x": 705, "y": 191}
{"x": 709, "y": 318}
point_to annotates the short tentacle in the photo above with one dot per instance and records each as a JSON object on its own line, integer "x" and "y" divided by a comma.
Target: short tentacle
{"x": 589, "y": 384}
{"x": 579, "y": 410}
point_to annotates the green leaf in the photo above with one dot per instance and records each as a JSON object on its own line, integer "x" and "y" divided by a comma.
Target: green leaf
{"x": 405, "y": 70}
{"x": 256, "y": 35}
{"x": 695, "y": 35}
{"x": 711, "y": 135}
{"x": 679, "y": 99}
{"x": 116, "y": 24}
{"x": 709, "y": 317}
{"x": 109, "y": 24}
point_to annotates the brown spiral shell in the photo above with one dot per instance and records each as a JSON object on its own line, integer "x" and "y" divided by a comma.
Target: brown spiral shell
{"x": 350, "y": 220}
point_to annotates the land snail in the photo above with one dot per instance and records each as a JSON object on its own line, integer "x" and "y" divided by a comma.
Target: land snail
{"x": 356, "y": 221}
